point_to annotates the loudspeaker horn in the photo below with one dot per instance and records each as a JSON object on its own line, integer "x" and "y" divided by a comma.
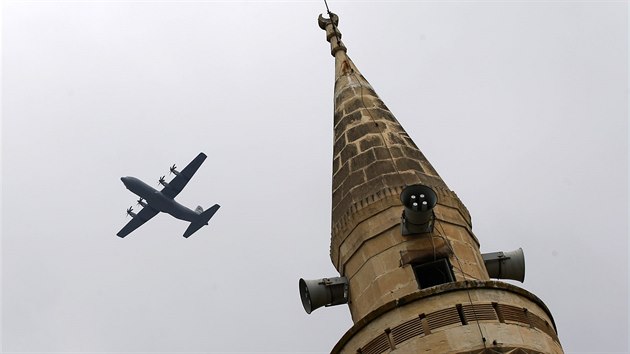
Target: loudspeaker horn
{"x": 506, "y": 265}
{"x": 419, "y": 201}
{"x": 323, "y": 292}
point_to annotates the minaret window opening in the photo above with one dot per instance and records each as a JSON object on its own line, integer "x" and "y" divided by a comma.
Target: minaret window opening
{"x": 433, "y": 273}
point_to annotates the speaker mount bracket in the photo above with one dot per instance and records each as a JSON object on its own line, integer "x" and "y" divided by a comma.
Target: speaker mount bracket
{"x": 409, "y": 228}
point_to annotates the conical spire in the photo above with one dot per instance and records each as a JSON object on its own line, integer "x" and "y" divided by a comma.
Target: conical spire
{"x": 373, "y": 160}
{"x": 372, "y": 151}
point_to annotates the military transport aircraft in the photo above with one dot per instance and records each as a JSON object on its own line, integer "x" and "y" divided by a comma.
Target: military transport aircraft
{"x": 153, "y": 201}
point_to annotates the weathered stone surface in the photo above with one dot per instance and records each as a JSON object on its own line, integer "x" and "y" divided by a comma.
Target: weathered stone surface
{"x": 367, "y": 189}
{"x": 341, "y": 207}
{"x": 383, "y": 114}
{"x": 352, "y": 105}
{"x": 348, "y": 152}
{"x": 394, "y": 138}
{"x": 357, "y": 132}
{"x": 409, "y": 141}
{"x": 408, "y": 164}
{"x": 449, "y": 334}
{"x": 336, "y": 165}
{"x": 411, "y": 153}
{"x": 382, "y": 153}
{"x": 378, "y": 168}
{"x": 340, "y": 143}
{"x": 344, "y": 95}
{"x": 393, "y": 179}
{"x": 374, "y": 159}
{"x": 362, "y": 160}
{"x": 336, "y": 196}
{"x": 341, "y": 175}
{"x": 370, "y": 141}
{"x": 355, "y": 178}
{"x": 349, "y": 120}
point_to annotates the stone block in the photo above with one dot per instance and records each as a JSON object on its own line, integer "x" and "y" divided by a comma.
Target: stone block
{"x": 348, "y": 152}
{"x": 340, "y": 143}
{"x": 395, "y": 139}
{"x": 379, "y": 168}
{"x": 336, "y": 196}
{"x": 354, "y": 179}
{"x": 362, "y": 160}
{"x": 412, "y": 153}
{"x": 420, "y": 249}
{"x": 344, "y": 95}
{"x": 340, "y": 175}
{"x": 358, "y": 132}
{"x": 411, "y": 177}
{"x": 393, "y": 179}
{"x": 383, "y": 114}
{"x": 393, "y": 281}
{"x": 348, "y": 120}
{"x": 336, "y": 164}
{"x": 450, "y": 215}
{"x": 404, "y": 164}
{"x": 392, "y": 126}
{"x": 368, "y": 239}
{"x": 365, "y": 99}
{"x": 370, "y": 141}
{"x": 431, "y": 181}
{"x": 351, "y": 105}
{"x": 362, "y": 296}
{"x": 367, "y": 189}
{"x": 340, "y": 208}
{"x": 382, "y": 153}
{"x": 368, "y": 91}
{"x": 408, "y": 140}
{"x": 428, "y": 169}
{"x": 337, "y": 116}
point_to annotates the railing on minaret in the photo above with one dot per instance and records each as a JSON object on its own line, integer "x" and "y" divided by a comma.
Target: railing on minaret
{"x": 410, "y": 266}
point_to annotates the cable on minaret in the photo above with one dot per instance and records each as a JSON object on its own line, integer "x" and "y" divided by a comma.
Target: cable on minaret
{"x": 327, "y": 9}
{"x": 330, "y": 16}
{"x": 336, "y": 31}
{"x": 461, "y": 269}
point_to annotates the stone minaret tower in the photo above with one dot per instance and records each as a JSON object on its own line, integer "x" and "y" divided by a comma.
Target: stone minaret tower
{"x": 422, "y": 291}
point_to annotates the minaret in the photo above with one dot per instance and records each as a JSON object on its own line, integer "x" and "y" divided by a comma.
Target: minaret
{"x": 417, "y": 283}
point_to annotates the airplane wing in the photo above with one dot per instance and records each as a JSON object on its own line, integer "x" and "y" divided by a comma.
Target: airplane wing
{"x": 143, "y": 216}
{"x": 179, "y": 182}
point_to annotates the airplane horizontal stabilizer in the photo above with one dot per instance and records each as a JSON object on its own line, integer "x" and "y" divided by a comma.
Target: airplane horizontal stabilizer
{"x": 201, "y": 221}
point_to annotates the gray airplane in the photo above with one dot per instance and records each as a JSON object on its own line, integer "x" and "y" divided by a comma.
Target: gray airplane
{"x": 154, "y": 201}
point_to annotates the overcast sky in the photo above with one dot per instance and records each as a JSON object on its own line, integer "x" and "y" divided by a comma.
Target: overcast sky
{"x": 522, "y": 108}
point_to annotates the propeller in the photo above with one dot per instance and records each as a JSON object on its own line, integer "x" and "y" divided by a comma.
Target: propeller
{"x": 141, "y": 202}
{"x": 130, "y": 211}
{"x": 173, "y": 170}
{"x": 162, "y": 181}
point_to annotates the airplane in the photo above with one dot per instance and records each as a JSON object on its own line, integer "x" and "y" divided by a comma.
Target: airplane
{"x": 154, "y": 201}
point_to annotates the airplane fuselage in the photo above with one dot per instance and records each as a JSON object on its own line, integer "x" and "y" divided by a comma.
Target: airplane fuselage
{"x": 157, "y": 200}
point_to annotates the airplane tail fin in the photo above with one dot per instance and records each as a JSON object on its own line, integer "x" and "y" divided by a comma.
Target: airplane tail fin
{"x": 201, "y": 221}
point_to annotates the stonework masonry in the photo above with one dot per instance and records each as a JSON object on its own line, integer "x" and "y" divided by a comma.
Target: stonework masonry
{"x": 373, "y": 160}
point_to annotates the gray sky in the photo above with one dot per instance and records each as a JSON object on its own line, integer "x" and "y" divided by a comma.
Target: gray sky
{"x": 521, "y": 106}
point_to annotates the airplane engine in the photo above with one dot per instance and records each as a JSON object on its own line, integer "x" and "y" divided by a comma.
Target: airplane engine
{"x": 131, "y": 213}
{"x": 162, "y": 181}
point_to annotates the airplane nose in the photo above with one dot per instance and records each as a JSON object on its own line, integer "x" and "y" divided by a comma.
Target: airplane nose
{"x": 124, "y": 180}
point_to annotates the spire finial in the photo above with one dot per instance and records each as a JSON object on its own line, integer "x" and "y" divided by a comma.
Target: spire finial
{"x": 332, "y": 33}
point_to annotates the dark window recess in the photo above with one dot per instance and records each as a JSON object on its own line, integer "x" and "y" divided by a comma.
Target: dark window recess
{"x": 433, "y": 273}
